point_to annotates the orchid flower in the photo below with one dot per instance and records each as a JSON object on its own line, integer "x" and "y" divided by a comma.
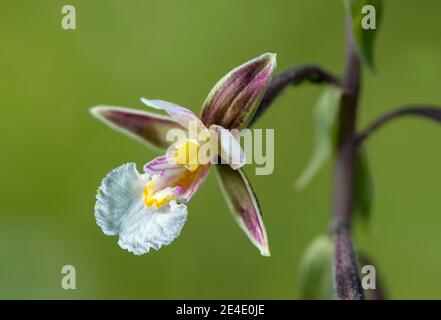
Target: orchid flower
{"x": 148, "y": 210}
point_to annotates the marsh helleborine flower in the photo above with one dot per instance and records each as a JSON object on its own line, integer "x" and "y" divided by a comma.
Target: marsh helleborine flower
{"x": 148, "y": 210}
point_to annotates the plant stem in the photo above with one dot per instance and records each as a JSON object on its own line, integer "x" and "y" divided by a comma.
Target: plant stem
{"x": 346, "y": 278}
{"x": 428, "y": 112}
{"x": 294, "y": 76}
{"x": 347, "y": 281}
{"x": 345, "y": 155}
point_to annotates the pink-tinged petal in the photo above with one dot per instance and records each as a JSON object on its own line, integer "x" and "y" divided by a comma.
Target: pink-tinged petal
{"x": 176, "y": 176}
{"x": 231, "y": 151}
{"x": 146, "y": 127}
{"x": 243, "y": 204}
{"x": 160, "y": 164}
{"x": 192, "y": 181}
{"x": 169, "y": 173}
{"x": 180, "y": 114}
{"x": 234, "y": 99}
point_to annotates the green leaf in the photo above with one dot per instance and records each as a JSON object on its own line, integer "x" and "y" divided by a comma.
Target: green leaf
{"x": 366, "y": 19}
{"x": 364, "y": 186}
{"x": 325, "y": 115}
{"x": 315, "y": 276}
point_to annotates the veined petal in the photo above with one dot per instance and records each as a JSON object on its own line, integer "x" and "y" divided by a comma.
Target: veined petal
{"x": 243, "y": 204}
{"x": 120, "y": 210}
{"x": 233, "y": 100}
{"x": 168, "y": 174}
{"x": 177, "y": 176}
{"x": 161, "y": 164}
{"x": 192, "y": 181}
{"x": 231, "y": 151}
{"x": 144, "y": 126}
{"x": 180, "y": 114}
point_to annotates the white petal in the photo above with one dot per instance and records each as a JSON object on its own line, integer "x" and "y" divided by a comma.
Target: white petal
{"x": 120, "y": 210}
{"x": 231, "y": 151}
{"x": 179, "y": 113}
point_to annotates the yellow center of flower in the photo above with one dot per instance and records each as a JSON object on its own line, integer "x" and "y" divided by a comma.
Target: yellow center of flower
{"x": 187, "y": 154}
{"x": 154, "y": 198}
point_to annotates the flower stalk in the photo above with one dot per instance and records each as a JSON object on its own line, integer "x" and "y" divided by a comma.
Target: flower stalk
{"x": 348, "y": 146}
{"x": 294, "y": 76}
{"x": 346, "y": 278}
{"x": 427, "y": 112}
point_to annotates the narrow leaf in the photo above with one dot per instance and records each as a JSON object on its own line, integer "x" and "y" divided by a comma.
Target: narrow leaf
{"x": 366, "y": 18}
{"x": 315, "y": 274}
{"x": 325, "y": 115}
{"x": 243, "y": 205}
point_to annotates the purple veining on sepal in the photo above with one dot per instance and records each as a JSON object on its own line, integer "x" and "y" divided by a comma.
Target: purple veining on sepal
{"x": 253, "y": 224}
{"x": 243, "y": 205}
{"x": 233, "y": 100}
{"x": 245, "y": 105}
{"x": 144, "y": 126}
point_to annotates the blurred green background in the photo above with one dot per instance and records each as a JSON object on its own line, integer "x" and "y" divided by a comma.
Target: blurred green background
{"x": 54, "y": 154}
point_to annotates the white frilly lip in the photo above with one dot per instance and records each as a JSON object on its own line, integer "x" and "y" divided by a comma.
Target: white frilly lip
{"x": 120, "y": 210}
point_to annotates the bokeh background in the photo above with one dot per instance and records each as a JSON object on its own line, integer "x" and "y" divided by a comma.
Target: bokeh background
{"x": 54, "y": 154}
